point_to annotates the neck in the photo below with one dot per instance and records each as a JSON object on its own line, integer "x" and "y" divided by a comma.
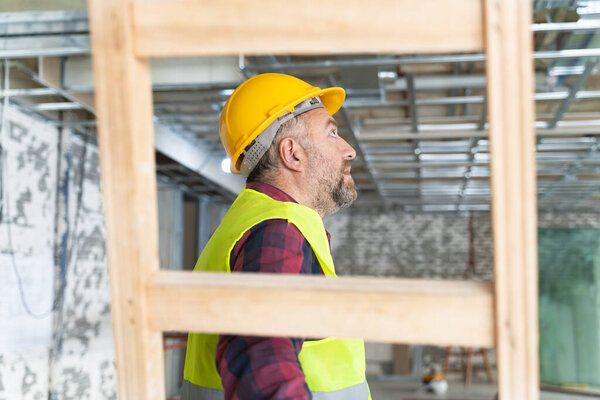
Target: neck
{"x": 299, "y": 190}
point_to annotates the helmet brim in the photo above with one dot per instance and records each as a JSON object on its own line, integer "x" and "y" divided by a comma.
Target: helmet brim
{"x": 332, "y": 98}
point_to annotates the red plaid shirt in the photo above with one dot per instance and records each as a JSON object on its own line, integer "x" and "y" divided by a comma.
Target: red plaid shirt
{"x": 267, "y": 367}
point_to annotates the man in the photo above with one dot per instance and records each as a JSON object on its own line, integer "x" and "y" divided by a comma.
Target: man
{"x": 279, "y": 132}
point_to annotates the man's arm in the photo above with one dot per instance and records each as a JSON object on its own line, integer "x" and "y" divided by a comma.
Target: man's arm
{"x": 266, "y": 367}
{"x": 261, "y": 368}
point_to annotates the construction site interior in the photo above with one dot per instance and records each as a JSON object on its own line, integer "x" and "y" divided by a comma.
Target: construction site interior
{"x": 419, "y": 125}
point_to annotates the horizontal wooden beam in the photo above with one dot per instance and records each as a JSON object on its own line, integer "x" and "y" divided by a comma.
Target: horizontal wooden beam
{"x": 225, "y": 27}
{"x": 384, "y": 310}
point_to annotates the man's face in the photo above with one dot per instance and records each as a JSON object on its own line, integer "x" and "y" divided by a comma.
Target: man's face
{"x": 329, "y": 163}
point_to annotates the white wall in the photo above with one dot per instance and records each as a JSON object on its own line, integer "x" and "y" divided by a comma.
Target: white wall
{"x": 57, "y": 235}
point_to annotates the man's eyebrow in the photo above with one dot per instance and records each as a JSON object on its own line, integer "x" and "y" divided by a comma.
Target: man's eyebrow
{"x": 331, "y": 121}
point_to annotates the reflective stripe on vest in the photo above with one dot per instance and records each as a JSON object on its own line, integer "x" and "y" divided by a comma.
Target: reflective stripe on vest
{"x": 189, "y": 391}
{"x": 330, "y": 364}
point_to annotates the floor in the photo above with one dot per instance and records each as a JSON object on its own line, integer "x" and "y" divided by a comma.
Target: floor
{"x": 391, "y": 390}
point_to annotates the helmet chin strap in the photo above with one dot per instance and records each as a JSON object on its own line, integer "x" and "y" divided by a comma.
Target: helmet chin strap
{"x": 259, "y": 146}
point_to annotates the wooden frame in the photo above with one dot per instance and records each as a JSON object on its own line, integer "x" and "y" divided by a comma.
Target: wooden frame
{"x": 240, "y": 26}
{"x": 146, "y": 301}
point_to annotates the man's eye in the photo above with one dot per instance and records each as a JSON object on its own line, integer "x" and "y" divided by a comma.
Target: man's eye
{"x": 333, "y": 133}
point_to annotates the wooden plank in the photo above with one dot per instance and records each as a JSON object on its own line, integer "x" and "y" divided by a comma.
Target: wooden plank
{"x": 224, "y": 27}
{"x": 513, "y": 182}
{"x": 390, "y": 310}
{"x": 123, "y": 102}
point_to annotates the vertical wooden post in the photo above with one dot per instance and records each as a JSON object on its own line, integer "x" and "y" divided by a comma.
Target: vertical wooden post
{"x": 514, "y": 207}
{"x": 125, "y": 137}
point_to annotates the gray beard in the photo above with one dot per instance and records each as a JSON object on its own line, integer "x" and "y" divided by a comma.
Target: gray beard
{"x": 343, "y": 195}
{"x": 329, "y": 200}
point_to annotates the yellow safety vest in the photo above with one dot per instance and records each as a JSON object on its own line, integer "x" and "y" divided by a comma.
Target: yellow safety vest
{"x": 334, "y": 368}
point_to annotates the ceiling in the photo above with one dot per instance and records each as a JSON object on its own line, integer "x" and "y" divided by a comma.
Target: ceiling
{"x": 418, "y": 122}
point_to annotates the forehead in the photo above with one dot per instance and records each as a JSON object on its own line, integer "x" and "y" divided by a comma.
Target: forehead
{"x": 319, "y": 119}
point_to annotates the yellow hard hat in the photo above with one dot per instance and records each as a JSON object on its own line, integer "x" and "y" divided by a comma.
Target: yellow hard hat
{"x": 260, "y": 101}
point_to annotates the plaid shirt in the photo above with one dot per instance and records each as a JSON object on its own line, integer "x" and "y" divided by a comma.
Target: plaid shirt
{"x": 267, "y": 367}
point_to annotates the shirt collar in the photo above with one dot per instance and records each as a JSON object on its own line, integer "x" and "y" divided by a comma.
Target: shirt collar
{"x": 275, "y": 194}
{"x": 271, "y": 191}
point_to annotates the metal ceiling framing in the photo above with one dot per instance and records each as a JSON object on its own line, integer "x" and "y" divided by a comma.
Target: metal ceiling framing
{"x": 418, "y": 123}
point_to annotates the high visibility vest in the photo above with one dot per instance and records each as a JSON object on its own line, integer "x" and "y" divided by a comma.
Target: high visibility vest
{"x": 334, "y": 368}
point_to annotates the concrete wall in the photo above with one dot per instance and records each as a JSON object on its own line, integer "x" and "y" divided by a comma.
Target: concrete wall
{"x": 52, "y": 206}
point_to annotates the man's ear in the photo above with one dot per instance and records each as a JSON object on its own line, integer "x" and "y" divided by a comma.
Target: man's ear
{"x": 292, "y": 155}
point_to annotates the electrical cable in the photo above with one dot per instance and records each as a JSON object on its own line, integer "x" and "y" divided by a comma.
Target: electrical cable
{"x": 68, "y": 251}
{"x": 60, "y": 251}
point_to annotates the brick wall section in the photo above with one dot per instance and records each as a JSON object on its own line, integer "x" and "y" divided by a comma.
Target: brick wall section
{"x": 409, "y": 245}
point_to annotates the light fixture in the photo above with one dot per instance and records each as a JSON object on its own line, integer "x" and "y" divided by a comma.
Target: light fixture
{"x": 226, "y": 165}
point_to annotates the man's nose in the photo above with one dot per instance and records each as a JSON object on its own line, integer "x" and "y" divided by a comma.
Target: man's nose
{"x": 348, "y": 151}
